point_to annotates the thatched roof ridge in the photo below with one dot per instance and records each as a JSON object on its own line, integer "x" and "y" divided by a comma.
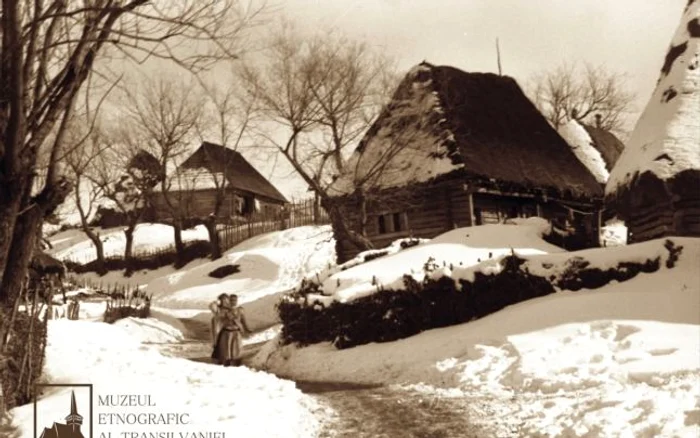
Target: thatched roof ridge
{"x": 485, "y": 127}
{"x": 607, "y": 143}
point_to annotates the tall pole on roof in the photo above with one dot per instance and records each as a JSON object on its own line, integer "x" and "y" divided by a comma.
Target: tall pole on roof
{"x": 498, "y": 57}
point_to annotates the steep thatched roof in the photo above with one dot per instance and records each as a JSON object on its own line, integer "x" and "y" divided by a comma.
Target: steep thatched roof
{"x": 220, "y": 160}
{"x": 478, "y": 125}
{"x": 609, "y": 146}
{"x": 661, "y": 161}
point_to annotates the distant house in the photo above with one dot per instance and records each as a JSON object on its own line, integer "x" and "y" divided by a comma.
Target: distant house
{"x": 213, "y": 169}
{"x": 607, "y": 143}
{"x": 655, "y": 185}
{"x": 597, "y": 148}
{"x": 455, "y": 149}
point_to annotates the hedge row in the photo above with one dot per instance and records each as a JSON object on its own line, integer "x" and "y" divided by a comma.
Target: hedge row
{"x": 394, "y": 314}
{"x": 193, "y": 250}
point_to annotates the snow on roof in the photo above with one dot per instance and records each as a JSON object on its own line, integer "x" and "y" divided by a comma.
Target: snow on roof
{"x": 607, "y": 143}
{"x": 582, "y": 144}
{"x": 442, "y": 119}
{"x": 666, "y": 139}
{"x": 408, "y": 146}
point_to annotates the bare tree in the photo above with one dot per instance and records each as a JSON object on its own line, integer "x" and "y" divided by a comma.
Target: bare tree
{"x": 166, "y": 113}
{"x": 582, "y": 92}
{"x": 324, "y": 91}
{"x": 47, "y": 51}
{"x": 80, "y": 160}
{"x": 230, "y": 117}
{"x": 115, "y": 173}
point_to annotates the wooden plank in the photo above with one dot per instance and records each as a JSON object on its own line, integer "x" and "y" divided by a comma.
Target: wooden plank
{"x": 652, "y": 209}
{"x": 470, "y": 208}
{"x": 639, "y": 220}
{"x": 651, "y": 232}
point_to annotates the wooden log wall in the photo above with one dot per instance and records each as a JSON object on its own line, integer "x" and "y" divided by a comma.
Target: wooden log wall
{"x": 680, "y": 218}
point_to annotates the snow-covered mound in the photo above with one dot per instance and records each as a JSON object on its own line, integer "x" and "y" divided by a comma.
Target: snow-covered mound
{"x": 268, "y": 265}
{"x": 666, "y": 139}
{"x": 582, "y": 145}
{"x": 460, "y": 247}
{"x": 621, "y": 360}
{"x": 318, "y": 277}
{"x": 74, "y": 244}
{"x": 116, "y": 359}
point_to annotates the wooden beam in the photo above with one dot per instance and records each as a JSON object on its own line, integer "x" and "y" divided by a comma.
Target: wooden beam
{"x": 450, "y": 214}
{"x": 470, "y": 203}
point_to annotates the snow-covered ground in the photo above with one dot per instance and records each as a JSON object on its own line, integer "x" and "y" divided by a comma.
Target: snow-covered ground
{"x": 74, "y": 245}
{"x": 269, "y": 265}
{"x": 622, "y": 360}
{"x": 120, "y": 359}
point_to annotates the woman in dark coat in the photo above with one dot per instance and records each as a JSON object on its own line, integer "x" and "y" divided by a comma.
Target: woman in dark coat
{"x": 231, "y": 324}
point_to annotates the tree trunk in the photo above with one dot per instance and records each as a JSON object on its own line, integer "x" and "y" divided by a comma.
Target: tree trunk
{"x": 10, "y": 200}
{"x": 340, "y": 226}
{"x": 99, "y": 248}
{"x": 99, "y": 251}
{"x": 317, "y": 209}
{"x": 179, "y": 246}
{"x": 210, "y": 223}
{"x": 129, "y": 249}
{"x": 20, "y": 254}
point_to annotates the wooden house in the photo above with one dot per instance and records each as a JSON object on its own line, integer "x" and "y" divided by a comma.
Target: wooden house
{"x": 211, "y": 172}
{"x": 455, "y": 149}
{"x": 655, "y": 185}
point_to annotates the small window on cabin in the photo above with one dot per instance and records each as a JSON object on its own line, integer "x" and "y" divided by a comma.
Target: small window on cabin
{"x": 248, "y": 205}
{"x": 391, "y": 223}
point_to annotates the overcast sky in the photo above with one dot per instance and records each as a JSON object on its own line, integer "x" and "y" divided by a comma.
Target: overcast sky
{"x": 628, "y": 36}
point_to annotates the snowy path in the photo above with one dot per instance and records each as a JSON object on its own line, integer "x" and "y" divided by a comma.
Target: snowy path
{"x": 357, "y": 410}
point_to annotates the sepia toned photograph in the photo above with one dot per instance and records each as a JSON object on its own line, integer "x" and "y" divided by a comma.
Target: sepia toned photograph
{"x": 349, "y": 218}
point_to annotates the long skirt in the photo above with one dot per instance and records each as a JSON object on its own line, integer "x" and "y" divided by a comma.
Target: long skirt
{"x": 228, "y": 346}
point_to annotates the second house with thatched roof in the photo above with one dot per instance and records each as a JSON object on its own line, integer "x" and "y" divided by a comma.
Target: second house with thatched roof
{"x": 216, "y": 174}
{"x": 455, "y": 149}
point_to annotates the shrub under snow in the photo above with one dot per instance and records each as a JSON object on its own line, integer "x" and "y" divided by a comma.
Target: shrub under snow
{"x": 447, "y": 295}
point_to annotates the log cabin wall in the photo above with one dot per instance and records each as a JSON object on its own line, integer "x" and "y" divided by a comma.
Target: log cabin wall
{"x": 436, "y": 210}
{"x": 653, "y": 221}
{"x": 200, "y": 203}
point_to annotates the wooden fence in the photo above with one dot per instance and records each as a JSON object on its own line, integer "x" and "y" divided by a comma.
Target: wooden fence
{"x": 295, "y": 214}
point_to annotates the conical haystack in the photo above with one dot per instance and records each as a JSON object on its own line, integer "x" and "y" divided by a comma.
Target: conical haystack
{"x": 655, "y": 184}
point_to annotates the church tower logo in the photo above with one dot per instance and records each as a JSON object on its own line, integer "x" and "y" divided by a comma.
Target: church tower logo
{"x": 78, "y": 421}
